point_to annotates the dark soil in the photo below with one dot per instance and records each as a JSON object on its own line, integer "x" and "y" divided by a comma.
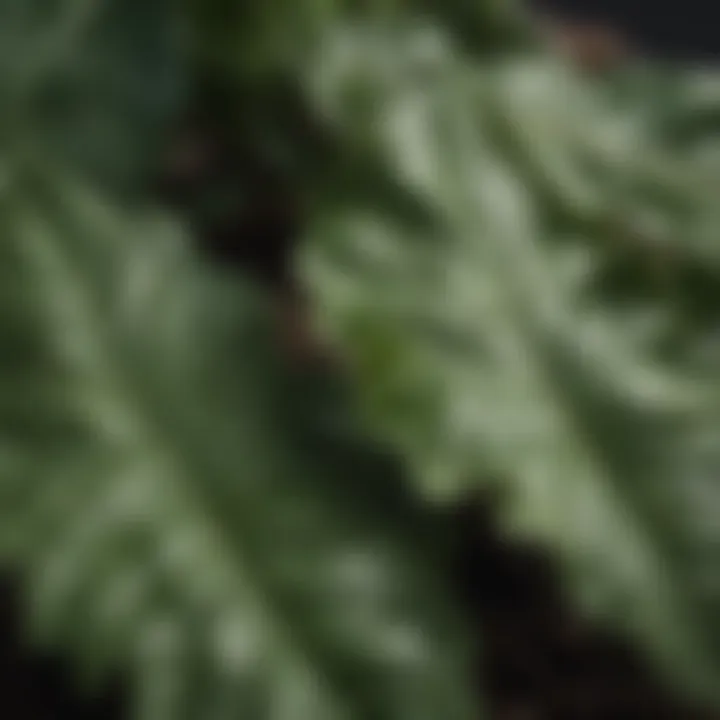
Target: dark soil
{"x": 539, "y": 660}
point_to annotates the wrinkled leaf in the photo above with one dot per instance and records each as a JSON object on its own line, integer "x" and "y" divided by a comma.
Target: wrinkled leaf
{"x": 480, "y": 353}
{"x": 175, "y": 503}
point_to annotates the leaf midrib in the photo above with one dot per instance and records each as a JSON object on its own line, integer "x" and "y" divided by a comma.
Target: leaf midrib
{"x": 146, "y": 438}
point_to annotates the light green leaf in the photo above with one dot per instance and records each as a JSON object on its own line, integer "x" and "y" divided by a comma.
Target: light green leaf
{"x": 173, "y": 500}
{"x": 480, "y": 354}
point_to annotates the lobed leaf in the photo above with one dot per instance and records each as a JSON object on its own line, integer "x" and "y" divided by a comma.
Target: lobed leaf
{"x": 174, "y": 502}
{"x": 480, "y": 352}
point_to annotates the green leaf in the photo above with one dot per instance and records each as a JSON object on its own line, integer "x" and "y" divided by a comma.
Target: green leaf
{"x": 481, "y": 354}
{"x": 176, "y": 503}
{"x": 678, "y": 101}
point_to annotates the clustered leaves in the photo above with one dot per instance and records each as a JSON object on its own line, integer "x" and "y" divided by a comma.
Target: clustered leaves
{"x": 514, "y": 265}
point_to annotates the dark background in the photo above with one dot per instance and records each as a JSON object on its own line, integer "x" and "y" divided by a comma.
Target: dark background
{"x": 688, "y": 30}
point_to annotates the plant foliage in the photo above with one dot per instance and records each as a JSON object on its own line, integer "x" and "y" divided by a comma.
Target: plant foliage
{"x": 517, "y": 267}
{"x": 168, "y": 504}
{"x": 478, "y": 339}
